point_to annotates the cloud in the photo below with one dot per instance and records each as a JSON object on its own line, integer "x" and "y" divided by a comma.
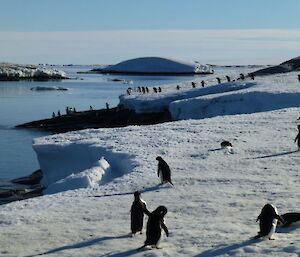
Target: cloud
{"x": 86, "y": 47}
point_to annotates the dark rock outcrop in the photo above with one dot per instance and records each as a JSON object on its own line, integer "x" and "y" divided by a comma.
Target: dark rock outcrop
{"x": 104, "y": 118}
{"x": 287, "y": 66}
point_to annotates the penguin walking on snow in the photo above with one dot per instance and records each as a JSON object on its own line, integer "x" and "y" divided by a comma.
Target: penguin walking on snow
{"x": 154, "y": 225}
{"x": 298, "y": 138}
{"x": 163, "y": 171}
{"x": 138, "y": 208}
{"x": 268, "y": 221}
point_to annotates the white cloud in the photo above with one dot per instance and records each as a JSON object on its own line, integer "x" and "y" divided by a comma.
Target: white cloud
{"x": 219, "y": 46}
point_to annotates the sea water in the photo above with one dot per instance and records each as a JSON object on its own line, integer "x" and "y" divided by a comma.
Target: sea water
{"x": 20, "y": 104}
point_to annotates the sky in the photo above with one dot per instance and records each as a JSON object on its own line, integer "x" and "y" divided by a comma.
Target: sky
{"x": 109, "y": 31}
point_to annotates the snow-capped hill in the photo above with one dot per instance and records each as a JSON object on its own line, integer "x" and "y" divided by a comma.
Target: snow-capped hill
{"x": 157, "y": 65}
{"x": 28, "y": 72}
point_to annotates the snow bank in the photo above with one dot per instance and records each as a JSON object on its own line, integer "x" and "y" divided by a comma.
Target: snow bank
{"x": 76, "y": 162}
{"x": 231, "y": 104}
{"x": 157, "y": 65}
{"x": 161, "y": 101}
{"x": 87, "y": 178}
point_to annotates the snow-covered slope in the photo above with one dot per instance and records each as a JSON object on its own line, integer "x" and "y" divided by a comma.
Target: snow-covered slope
{"x": 157, "y": 65}
{"x": 217, "y": 196}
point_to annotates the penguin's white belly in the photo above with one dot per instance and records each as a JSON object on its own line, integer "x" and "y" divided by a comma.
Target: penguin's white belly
{"x": 161, "y": 176}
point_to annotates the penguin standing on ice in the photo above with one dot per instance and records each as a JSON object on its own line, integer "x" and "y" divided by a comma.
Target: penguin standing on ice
{"x": 225, "y": 144}
{"x": 268, "y": 221}
{"x": 138, "y": 208}
{"x": 298, "y": 138}
{"x": 163, "y": 171}
{"x": 154, "y": 225}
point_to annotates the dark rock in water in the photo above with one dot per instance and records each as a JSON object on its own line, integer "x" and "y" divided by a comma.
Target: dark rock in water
{"x": 38, "y": 88}
{"x": 32, "y": 179}
{"x": 18, "y": 194}
{"x": 288, "y": 66}
{"x": 22, "y": 188}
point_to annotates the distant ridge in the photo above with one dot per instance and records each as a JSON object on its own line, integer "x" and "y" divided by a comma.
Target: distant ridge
{"x": 287, "y": 66}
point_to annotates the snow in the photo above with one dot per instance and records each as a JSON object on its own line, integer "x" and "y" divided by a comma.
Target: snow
{"x": 217, "y": 193}
{"x": 157, "y": 65}
{"x": 17, "y": 71}
{"x": 158, "y": 102}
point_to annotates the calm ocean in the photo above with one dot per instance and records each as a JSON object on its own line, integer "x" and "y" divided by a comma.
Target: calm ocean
{"x": 19, "y": 104}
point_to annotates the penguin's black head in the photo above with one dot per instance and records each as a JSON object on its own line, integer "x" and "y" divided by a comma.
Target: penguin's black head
{"x": 137, "y": 194}
{"x": 162, "y": 210}
{"x": 268, "y": 209}
{"x": 158, "y": 158}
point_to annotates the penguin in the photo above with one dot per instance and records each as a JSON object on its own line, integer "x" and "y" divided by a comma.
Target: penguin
{"x": 178, "y": 87}
{"x": 297, "y": 138}
{"x": 155, "y": 89}
{"x": 154, "y": 225}
{"x": 228, "y": 78}
{"x": 159, "y": 89}
{"x": 163, "y": 171}
{"x": 202, "y": 83}
{"x": 225, "y": 144}
{"x": 138, "y": 208}
{"x": 219, "y": 80}
{"x": 242, "y": 76}
{"x": 251, "y": 75}
{"x": 289, "y": 218}
{"x": 193, "y": 84}
{"x": 268, "y": 221}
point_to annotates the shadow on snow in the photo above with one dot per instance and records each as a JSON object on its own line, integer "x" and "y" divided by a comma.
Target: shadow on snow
{"x": 81, "y": 244}
{"x": 226, "y": 249}
{"x": 276, "y": 154}
{"x": 149, "y": 189}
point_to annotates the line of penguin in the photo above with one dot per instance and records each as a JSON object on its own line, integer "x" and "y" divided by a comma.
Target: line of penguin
{"x": 268, "y": 217}
{"x": 145, "y": 90}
